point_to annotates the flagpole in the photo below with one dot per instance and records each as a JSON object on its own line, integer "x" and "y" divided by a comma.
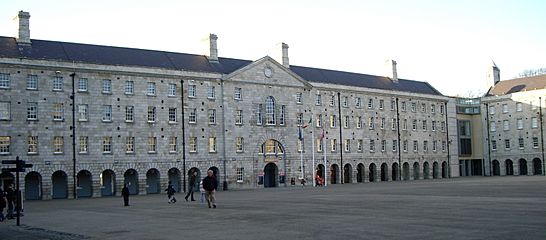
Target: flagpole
{"x": 313, "y": 156}
{"x": 324, "y": 151}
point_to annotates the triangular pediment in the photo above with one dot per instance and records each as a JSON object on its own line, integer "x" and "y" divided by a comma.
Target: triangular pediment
{"x": 267, "y": 71}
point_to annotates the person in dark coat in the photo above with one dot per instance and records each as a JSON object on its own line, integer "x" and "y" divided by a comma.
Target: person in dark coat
{"x": 170, "y": 193}
{"x": 2, "y": 204}
{"x": 193, "y": 177}
{"x": 11, "y": 196}
{"x": 210, "y": 185}
{"x": 125, "y": 194}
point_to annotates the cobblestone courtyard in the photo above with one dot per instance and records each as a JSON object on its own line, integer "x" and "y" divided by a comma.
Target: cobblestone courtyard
{"x": 461, "y": 208}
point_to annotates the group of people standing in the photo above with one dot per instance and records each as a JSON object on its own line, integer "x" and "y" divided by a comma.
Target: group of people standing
{"x": 207, "y": 187}
{"x": 7, "y": 199}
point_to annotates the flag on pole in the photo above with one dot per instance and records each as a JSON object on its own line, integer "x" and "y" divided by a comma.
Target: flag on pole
{"x": 305, "y": 125}
{"x": 322, "y": 134}
{"x": 300, "y": 134}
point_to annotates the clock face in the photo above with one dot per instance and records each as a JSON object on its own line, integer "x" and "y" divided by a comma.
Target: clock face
{"x": 268, "y": 72}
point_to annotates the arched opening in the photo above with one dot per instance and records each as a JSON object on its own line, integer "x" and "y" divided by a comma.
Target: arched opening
{"x": 405, "y": 171}
{"x": 372, "y": 172}
{"x": 174, "y": 178}
{"x": 334, "y": 173}
{"x": 6, "y": 179}
{"x": 271, "y": 174}
{"x": 85, "y": 184}
{"x": 435, "y": 170}
{"x": 416, "y": 174}
{"x": 216, "y": 174}
{"x": 320, "y": 174}
{"x": 33, "y": 186}
{"x": 384, "y": 172}
{"x": 130, "y": 177}
{"x": 59, "y": 185}
{"x": 444, "y": 170}
{"x": 347, "y": 173}
{"x": 108, "y": 183}
{"x": 360, "y": 172}
{"x": 198, "y": 178}
{"x": 496, "y": 168}
{"x": 152, "y": 181}
{"x": 537, "y": 166}
{"x": 426, "y": 170}
{"x": 395, "y": 172}
{"x": 509, "y": 167}
{"x": 522, "y": 167}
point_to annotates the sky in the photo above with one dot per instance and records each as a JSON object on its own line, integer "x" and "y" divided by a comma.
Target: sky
{"x": 448, "y": 43}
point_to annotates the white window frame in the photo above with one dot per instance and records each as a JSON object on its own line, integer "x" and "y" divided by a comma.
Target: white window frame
{"x": 212, "y": 145}
{"x": 173, "y": 144}
{"x": 171, "y": 90}
{"x": 5, "y": 145}
{"x": 83, "y": 85}
{"x": 129, "y": 144}
{"x": 152, "y": 144}
{"x": 173, "y": 115}
{"x": 151, "y": 114}
{"x": 83, "y": 113}
{"x": 193, "y": 144}
{"x": 106, "y": 113}
{"x": 83, "y": 144}
{"x": 129, "y": 87}
{"x": 106, "y": 86}
{"x": 58, "y": 144}
{"x": 5, "y": 81}
{"x": 151, "y": 89}
{"x": 238, "y": 93}
{"x": 212, "y": 116}
{"x": 211, "y": 92}
{"x": 32, "y": 111}
{"x": 129, "y": 113}
{"x": 58, "y": 112}
{"x": 32, "y": 145}
{"x": 192, "y": 116}
{"x": 238, "y": 117}
{"x": 106, "y": 145}
{"x": 192, "y": 90}
{"x": 32, "y": 82}
{"x": 58, "y": 83}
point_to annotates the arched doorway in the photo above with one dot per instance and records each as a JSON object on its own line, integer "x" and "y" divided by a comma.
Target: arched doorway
{"x": 537, "y": 166}
{"x": 320, "y": 173}
{"x": 509, "y": 165}
{"x": 444, "y": 170}
{"x": 416, "y": 174}
{"x": 198, "y": 178}
{"x": 435, "y": 170}
{"x": 384, "y": 172}
{"x": 522, "y": 167}
{"x": 271, "y": 174}
{"x": 372, "y": 172}
{"x": 174, "y": 177}
{"x": 152, "y": 181}
{"x": 360, "y": 172}
{"x": 405, "y": 171}
{"x": 130, "y": 177}
{"x": 85, "y": 184}
{"x": 59, "y": 185}
{"x": 426, "y": 170}
{"x": 347, "y": 173}
{"x": 496, "y": 168}
{"x": 6, "y": 179}
{"x": 107, "y": 183}
{"x": 33, "y": 186}
{"x": 334, "y": 173}
{"x": 395, "y": 172}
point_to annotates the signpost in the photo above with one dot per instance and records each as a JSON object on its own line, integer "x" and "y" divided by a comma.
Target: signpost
{"x": 20, "y": 166}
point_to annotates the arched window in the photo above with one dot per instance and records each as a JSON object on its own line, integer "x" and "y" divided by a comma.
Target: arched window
{"x": 271, "y": 147}
{"x": 270, "y": 111}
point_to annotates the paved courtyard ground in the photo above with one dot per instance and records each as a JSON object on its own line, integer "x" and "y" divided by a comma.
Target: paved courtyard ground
{"x": 459, "y": 208}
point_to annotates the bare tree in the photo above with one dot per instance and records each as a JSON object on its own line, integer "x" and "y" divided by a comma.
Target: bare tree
{"x": 532, "y": 72}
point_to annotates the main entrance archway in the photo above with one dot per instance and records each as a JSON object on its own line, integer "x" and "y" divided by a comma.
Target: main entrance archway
{"x": 496, "y": 168}
{"x": 130, "y": 178}
{"x": 509, "y": 167}
{"x": 174, "y": 177}
{"x": 416, "y": 171}
{"x": 347, "y": 173}
{"x": 360, "y": 172}
{"x": 152, "y": 181}
{"x": 522, "y": 167}
{"x": 33, "y": 186}
{"x": 59, "y": 185}
{"x": 444, "y": 170}
{"x": 405, "y": 171}
{"x": 372, "y": 173}
{"x": 435, "y": 170}
{"x": 384, "y": 172}
{"x": 334, "y": 173}
{"x": 320, "y": 173}
{"x": 271, "y": 174}
{"x": 537, "y": 166}
{"x": 107, "y": 183}
{"x": 426, "y": 170}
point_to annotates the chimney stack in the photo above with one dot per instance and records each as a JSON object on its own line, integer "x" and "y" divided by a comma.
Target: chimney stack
{"x": 391, "y": 70}
{"x": 493, "y": 74}
{"x": 213, "y": 48}
{"x": 285, "y": 61}
{"x": 24, "y": 28}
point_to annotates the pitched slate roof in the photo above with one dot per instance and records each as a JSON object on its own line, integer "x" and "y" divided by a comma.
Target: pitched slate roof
{"x": 518, "y": 85}
{"x": 118, "y": 56}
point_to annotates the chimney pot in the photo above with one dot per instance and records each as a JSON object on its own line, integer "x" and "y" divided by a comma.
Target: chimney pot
{"x": 391, "y": 70}
{"x": 213, "y": 48}
{"x": 24, "y": 28}
{"x": 285, "y": 61}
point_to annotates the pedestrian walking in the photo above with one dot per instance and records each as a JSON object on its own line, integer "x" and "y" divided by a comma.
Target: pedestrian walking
{"x": 2, "y": 204}
{"x": 170, "y": 193}
{"x": 10, "y": 197}
{"x": 193, "y": 178}
{"x": 202, "y": 191}
{"x": 125, "y": 194}
{"x": 210, "y": 185}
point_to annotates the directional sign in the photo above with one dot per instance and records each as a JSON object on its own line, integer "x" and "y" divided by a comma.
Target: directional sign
{"x": 9, "y": 161}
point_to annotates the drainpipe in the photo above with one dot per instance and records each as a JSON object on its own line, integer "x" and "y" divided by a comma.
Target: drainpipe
{"x": 541, "y": 132}
{"x": 340, "y": 137}
{"x": 488, "y": 140}
{"x": 399, "y": 138}
{"x": 183, "y": 135}
{"x": 225, "y": 185}
{"x": 73, "y": 98}
{"x": 448, "y": 143}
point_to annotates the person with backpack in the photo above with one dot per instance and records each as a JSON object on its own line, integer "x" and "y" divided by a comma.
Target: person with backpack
{"x": 210, "y": 185}
{"x": 170, "y": 193}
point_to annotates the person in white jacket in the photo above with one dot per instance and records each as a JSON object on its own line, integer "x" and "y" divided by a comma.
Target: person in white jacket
{"x": 202, "y": 190}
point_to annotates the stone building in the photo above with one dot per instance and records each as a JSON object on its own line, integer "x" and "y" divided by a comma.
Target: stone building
{"x": 91, "y": 118}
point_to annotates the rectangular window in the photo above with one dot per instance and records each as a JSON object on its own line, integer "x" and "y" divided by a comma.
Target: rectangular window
{"x": 332, "y": 100}
{"x": 32, "y": 82}
{"x": 443, "y": 126}
{"x": 106, "y": 86}
{"x": 493, "y": 145}
{"x": 423, "y": 107}
{"x": 405, "y": 145}
{"x": 534, "y": 122}
{"x": 82, "y": 112}
{"x": 282, "y": 115}
{"x": 415, "y": 146}
{"x": 129, "y": 87}
{"x": 383, "y": 145}
{"x": 58, "y": 112}
{"x": 413, "y": 106}
{"x": 83, "y": 140}
{"x": 358, "y": 102}
{"x": 152, "y": 144}
{"x": 212, "y": 144}
{"x": 505, "y": 108}
{"x": 5, "y": 144}
{"x": 318, "y": 100}
{"x": 521, "y": 143}
{"x": 192, "y": 118}
{"x": 405, "y": 124}
{"x": 57, "y": 83}
{"x": 393, "y": 124}
{"x": 506, "y": 125}
{"x": 150, "y": 91}
{"x": 259, "y": 117}
{"x": 441, "y": 109}
{"x": 360, "y": 145}
{"x": 347, "y": 145}
{"x": 434, "y": 145}
{"x": 239, "y": 144}
{"x": 535, "y": 142}
{"x": 371, "y": 123}
{"x": 240, "y": 174}
{"x": 394, "y": 145}
{"x": 319, "y": 145}
{"x": 106, "y": 144}
{"x": 107, "y": 113}
{"x": 414, "y": 124}
{"x": 346, "y": 122}
{"x": 299, "y": 119}
{"x": 432, "y": 108}
{"x": 299, "y": 97}
{"x": 382, "y": 125}
{"x": 319, "y": 120}
{"x": 32, "y": 111}
{"x": 129, "y": 144}
{"x": 332, "y": 121}
{"x": 372, "y": 145}
{"x": 58, "y": 144}
{"x": 239, "y": 117}
{"x": 519, "y": 122}
{"x": 32, "y": 144}
{"x": 172, "y": 115}
{"x": 492, "y": 110}
{"x": 433, "y": 126}
{"x": 345, "y": 101}
{"x": 519, "y": 107}
{"x": 424, "y": 125}
{"x": 507, "y": 144}
{"x": 151, "y": 114}
{"x": 82, "y": 85}
{"x": 173, "y": 144}
{"x": 359, "y": 122}
{"x": 393, "y": 105}
{"x": 333, "y": 144}
{"x": 425, "y": 146}
{"x": 212, "y": 116}
{"x": 403, "y": 106}
{"x": 370, "y": 103}
{"x": 193, "y": 144}
{"x": 129, "y": 113}
{"x": 172, "y": 90}
{"x": 381, "y": 104}
{"x": 444, "y": 146}
{"x": 192, "y": 90}
{"x": 238, "y": 93}
{"x": 211, "y": 92}
{"x": 4, "y": 80}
